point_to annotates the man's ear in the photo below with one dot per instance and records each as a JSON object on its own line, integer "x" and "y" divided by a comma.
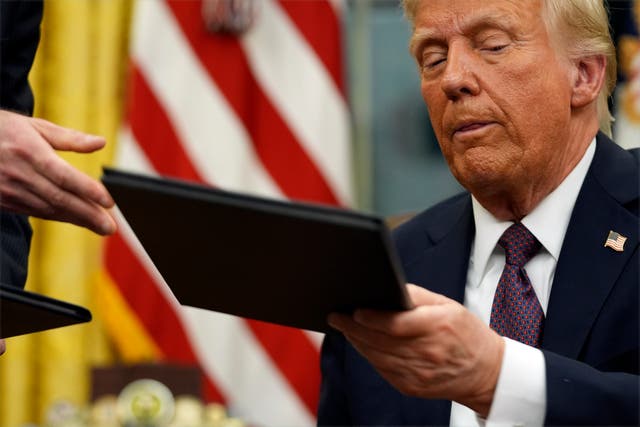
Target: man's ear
{"x": 588, "y": 79}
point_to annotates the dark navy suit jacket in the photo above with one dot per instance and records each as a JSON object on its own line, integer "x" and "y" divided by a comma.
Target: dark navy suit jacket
{"x": 19, "y": 35}
{"x": 591, "y": 333}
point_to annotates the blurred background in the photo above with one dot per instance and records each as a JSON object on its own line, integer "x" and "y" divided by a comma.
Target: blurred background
{"x": 314, "y": 100}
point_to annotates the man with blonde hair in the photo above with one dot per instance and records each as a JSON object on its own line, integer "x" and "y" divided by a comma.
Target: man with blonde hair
{"x": 525, "y": 289}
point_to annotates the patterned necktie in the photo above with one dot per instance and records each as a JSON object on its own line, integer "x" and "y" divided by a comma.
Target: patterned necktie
{"x": 516, "y": 312}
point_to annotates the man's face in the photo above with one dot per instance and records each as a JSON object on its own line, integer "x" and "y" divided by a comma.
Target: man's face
{"x": 498, "y": 93}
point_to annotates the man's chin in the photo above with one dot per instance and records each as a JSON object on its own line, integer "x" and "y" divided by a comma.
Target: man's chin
{"x": 481, "y": 169}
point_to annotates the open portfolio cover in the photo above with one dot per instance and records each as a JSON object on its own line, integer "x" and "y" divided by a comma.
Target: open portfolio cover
{"x": 280, "y": 262}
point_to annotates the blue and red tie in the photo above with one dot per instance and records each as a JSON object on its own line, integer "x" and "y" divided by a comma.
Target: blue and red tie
{"x": 516, "y": 312}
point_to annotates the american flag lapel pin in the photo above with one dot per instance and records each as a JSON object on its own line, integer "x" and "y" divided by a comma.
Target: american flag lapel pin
{"x": 615, "y": 241}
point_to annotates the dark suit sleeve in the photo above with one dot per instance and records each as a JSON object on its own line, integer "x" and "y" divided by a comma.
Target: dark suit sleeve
{"x": 333, "y": 409}
{"x": 578, "y": 394}
{"x": 15, "y": 238}
{"x": 19, "y": 36}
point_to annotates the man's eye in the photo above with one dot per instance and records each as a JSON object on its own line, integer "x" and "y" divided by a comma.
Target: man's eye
{"x": 432, "y": 61}
{"x": 496, "y": 48}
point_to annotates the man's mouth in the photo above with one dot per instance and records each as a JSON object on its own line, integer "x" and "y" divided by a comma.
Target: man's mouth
{"x": 469, "y": 127}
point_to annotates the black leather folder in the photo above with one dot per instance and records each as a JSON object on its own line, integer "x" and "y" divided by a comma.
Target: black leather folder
{"x": 280, "y": 262}
{"x": 23, "y": 312}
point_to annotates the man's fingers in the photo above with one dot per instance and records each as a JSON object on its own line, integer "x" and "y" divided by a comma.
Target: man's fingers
{"x": 24, "y": 202}
{"x": 422, "y": 296}
{"x": 88, "y": 215}
{"x": 33, "y": 194}
{"x": 350, "y": 327}
{"x": 339, "y": 321}
{"x": 406, "y": 324}
{"x": 3, "y": 346}
{"x": 357, "y": 332}
{"x": 77, "y": 211}
{"x": 430, "y": 308}
{"x": 69, "y": 179}
{"x": 66, "y": 139}
{"x": 68, "y": 207}
{"x": 378, "y": 328}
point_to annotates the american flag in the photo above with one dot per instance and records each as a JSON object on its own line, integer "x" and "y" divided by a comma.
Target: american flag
{"x": 615, "y": 241}
{"x": 262, "y": 111}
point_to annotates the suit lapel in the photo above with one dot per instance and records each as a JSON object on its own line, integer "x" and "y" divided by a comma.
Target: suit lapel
{"x": 442, "y": 265}
{"x": 586, "y": 270}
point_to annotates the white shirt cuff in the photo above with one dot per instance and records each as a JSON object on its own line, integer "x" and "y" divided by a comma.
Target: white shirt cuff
{"x": 520, "y": 397}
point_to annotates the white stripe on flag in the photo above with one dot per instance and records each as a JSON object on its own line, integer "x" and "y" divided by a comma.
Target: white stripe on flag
{"x": 129, "y": 156}
{"x": 338, "y": 6}
{"x": 315, "y": 338}
{"x": 214, "y": 138}
{"x": 303, "y": 92}
{"x": 256, "y": 391}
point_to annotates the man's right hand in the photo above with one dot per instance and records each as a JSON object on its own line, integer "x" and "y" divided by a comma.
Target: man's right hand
{"x": 35, "y": 181}
{"x": 437, "y": 350}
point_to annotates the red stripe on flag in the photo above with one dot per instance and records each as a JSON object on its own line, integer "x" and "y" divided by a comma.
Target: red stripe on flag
{"x": 296, "y": 357}
{"x": 318, "y": 23}
{"x": 276, "y": 146}
{"x": 154, "y": 132}
{"x": 151, "y": 307}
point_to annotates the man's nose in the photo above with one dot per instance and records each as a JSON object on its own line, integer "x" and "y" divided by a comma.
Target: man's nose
{"x": 459, "y": 78}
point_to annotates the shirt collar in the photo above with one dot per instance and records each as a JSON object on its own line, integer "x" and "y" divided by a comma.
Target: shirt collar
{"x": 548, "y": 222}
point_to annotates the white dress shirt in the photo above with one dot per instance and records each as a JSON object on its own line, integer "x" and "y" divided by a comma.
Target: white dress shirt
{"x": 520, "y": 396}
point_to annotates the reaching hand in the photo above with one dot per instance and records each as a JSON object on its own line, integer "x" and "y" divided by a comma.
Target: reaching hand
{"x": 3, "y": 346}
{"x": 35, "y": 181}
{"x": 436, "y": 350}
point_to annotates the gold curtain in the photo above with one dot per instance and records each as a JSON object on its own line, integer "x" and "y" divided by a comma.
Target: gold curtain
{"x": 78, "y": 81}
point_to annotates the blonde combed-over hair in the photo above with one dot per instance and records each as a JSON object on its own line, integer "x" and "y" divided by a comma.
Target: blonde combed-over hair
{"x": 581, "y": 27}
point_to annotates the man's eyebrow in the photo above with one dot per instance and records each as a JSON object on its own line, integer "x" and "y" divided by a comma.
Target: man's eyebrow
{"x": 420, "y": 37}
{"x": 504, "y": 22}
